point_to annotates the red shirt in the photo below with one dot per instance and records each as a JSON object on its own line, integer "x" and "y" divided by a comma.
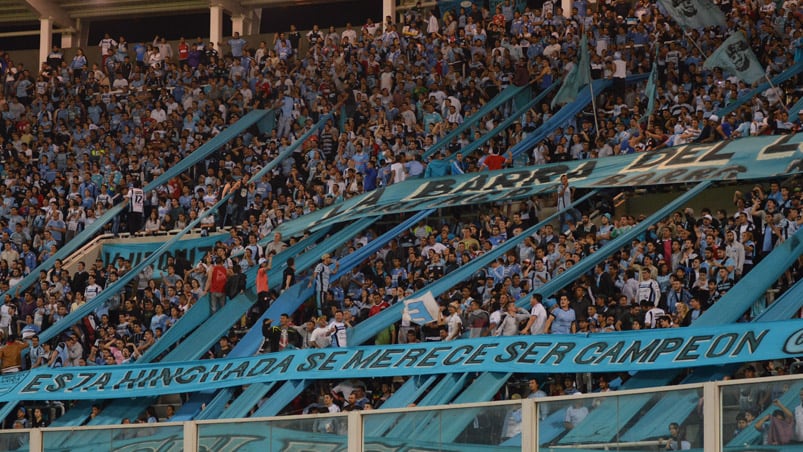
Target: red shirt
{"x": 183, "y": 51}
{"x": 494, "y": 162}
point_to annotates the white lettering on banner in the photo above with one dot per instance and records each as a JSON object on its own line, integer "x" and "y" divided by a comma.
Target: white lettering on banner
{"x": 609, "y": 352}
{"x": 779, "y": 149}
{"x": 746, "y": 158}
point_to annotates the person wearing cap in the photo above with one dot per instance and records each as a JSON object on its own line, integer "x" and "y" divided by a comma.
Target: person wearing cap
{"x": 321, "y": 276}
{"x": 708, "y": 132}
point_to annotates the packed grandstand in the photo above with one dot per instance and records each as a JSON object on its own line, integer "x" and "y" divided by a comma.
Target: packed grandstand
{"x": 251, "y": 147}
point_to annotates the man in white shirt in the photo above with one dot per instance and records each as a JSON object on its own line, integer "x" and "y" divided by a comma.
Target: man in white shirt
{"x": 454, "y": 322}
{"x": 575, "y": 414}
{"x": 338, "y": 330}
{"x": 648, "y": 288}
{"x": 538, "y": 316}
{"x": 92, "y": 289}
{"x": 321, "y": 337}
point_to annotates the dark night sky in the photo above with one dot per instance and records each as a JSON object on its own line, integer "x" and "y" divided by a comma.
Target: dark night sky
{"x": 191, "y": 25}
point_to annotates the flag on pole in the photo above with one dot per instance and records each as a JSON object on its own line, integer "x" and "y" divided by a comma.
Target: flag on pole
{"x": 652, "y": 88}
{"x": 423, "y": 309}
{"x": 736, "y": 57}
{"x": 578, "y": 76}
{"x": 694, "y": 13}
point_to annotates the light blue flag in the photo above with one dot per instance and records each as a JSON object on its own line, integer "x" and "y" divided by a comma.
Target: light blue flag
{"x": 652, "y": 89}
{"x": 578, "y": 76}
{"x": 736, "y": 57}
{"x": 694, "y": 13}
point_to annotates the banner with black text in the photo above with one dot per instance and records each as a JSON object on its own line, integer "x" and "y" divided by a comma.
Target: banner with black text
{"x": 601, "y": 352}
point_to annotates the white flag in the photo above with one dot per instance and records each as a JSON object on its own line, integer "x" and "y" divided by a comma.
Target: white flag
{"x": 423, "y": 309}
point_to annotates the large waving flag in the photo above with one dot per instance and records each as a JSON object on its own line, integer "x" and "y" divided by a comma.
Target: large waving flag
{"x": 735, "y": 56}
{"x": 694, "y": 13}
{"x": 579, "y": 76}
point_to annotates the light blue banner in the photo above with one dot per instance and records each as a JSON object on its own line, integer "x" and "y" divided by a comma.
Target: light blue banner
{"x": 135, "y": 251}
{"x": 606, "y": 352}
{"x": 747, "y": 158}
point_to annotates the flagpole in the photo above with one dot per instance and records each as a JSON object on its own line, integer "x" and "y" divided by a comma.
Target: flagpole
{"x": 593, "y": 97}
{"x": 772, "y": 85}
{"x": 593, "y": 104}
{"x": 688, "y": 35}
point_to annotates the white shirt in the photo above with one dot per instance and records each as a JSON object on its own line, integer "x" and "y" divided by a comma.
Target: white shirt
{"x": 620, "y": 69}
{"x": 397, "y": 170}
{"x": 454, "y": 324}
{"x": 321, "y": 337}
{"x": 338, "y": 338}
{"x": 539, "y": 312}
{"x": 575, "y": 415}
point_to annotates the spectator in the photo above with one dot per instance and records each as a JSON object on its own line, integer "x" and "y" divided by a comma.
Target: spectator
{"x": 11, "y": 355}
{"x": 575, "y": 414}
{"x": 777, "y": 427}
{"x": 677, "y": 440}
{"x": 216, "y": 285}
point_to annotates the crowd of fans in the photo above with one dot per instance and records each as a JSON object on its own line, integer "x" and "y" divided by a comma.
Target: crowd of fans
{"x": 78, "y": 136}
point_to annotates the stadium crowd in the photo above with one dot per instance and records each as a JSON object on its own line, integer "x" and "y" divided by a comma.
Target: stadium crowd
{"x": 78, "y": 136}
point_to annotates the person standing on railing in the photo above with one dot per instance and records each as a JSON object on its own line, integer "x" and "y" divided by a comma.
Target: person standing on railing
{"x": 320, "y": 277}
{"x": 216, "y": 285}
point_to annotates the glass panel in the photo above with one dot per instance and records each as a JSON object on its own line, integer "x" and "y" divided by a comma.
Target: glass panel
{"x": 318, "y": 433}
{"x": 88, "y": 440}
{"x": 763, "y": 414}
{"x": 11, "y": 440}
{"x": 141, "y": 437}
{"x": 149, "y": 437}
{"x": 628, "y": 422}
{"x": 492, "y": 428}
